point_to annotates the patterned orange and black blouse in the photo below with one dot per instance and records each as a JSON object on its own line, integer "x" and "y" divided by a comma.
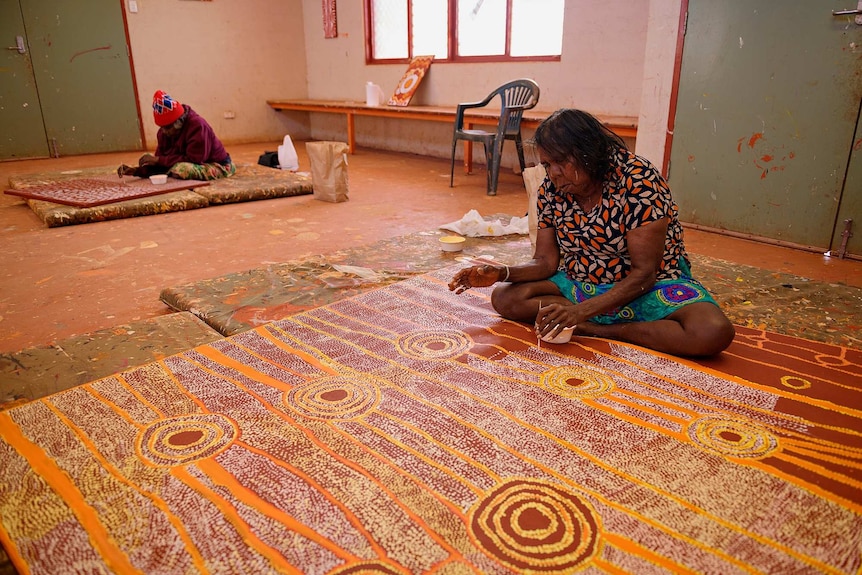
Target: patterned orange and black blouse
{"x": 593, "y": 246}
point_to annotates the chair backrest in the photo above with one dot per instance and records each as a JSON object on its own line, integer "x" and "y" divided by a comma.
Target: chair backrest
{"x": 516, "y": 96}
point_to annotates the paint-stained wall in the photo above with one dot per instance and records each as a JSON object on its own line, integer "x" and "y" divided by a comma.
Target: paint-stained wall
{"x": 766, "y": 120}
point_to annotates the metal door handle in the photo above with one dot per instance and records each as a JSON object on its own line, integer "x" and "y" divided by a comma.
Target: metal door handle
{"x": 857, "y": 12}
{"x": 20, "y": 47}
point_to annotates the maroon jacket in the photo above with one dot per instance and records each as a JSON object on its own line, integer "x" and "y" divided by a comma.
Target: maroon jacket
{"x": 196, "y": 142}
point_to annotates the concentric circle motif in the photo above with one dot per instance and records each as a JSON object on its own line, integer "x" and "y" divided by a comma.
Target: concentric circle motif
{"x": 408, "y": 83}
{"x": 535, "y": 526}
{"x": 434, "y": 344}
{"x": 626, "y": 313}
{"x": 584, "y": 291}
{"x": 369, "y": 568}
{"x": 732, "y": 437}
{"x": 184, "y": 439}
{"x": 576, "y": 381}
{"x": 337, "y": 397}
{"x": 678, "y": 293}
{"x": 831, "y": 360}
{"x": 795, "y": 382}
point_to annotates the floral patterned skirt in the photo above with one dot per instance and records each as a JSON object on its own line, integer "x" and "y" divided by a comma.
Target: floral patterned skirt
{"x": 210, "y": 171}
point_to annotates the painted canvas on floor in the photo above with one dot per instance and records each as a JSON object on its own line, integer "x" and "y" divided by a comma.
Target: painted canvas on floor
{"x": 412, "y": 430}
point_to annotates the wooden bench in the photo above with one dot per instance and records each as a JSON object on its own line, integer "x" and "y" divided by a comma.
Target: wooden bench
{"x": 623, "y": 126}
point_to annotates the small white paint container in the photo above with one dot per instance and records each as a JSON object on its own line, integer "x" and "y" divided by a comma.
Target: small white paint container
{"x": 452, "y": 243}
{"x": 563, "y": 337}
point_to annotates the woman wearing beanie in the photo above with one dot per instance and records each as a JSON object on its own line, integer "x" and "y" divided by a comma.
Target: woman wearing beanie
{"x": 187, "y": 149}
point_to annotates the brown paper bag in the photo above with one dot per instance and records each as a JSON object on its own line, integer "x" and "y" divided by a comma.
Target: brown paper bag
{"x": 533, "y": 178}
{"x": 328, "y": 170}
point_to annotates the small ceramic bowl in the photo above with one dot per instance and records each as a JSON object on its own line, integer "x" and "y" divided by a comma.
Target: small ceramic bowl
{"x": 159, "y": 179}
{"x": 452, "y": 243}
{"x": 563, "y": 337}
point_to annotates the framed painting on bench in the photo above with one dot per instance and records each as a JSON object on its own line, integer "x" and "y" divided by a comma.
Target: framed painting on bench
{"x": 410, "y": 81}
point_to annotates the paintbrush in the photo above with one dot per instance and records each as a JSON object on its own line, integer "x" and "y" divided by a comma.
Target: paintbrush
{"x": 538, "y": 337}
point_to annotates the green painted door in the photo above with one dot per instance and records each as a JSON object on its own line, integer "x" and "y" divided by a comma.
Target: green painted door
{"x": 769, "y": 99}
{"x": 22, "y": 133}
{"x": 81, "y": 65}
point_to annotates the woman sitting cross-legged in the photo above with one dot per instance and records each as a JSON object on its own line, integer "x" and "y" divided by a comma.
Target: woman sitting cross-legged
{"x": 609, "y": 259}
{"x": 188, "y": 148}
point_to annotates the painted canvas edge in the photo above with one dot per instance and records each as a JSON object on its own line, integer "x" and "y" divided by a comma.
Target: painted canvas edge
{"x": 408, "y": 84}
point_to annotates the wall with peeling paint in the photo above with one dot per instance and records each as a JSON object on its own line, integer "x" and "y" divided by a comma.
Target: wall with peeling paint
{"x": 769, "y": 102}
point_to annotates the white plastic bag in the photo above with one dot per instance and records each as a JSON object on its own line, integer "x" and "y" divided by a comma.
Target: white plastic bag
{"x": 287, "y": 158}
{"x": 473, "y": 225}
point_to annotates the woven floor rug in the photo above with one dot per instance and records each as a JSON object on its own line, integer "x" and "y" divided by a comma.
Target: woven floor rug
{"x": 251, "y": 182}
{"x": 410, "y": 430}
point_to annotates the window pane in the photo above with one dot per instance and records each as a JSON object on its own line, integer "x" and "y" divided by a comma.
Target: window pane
{"x": 389, "y": 21}
{"x": 431, "y": 28}
{"x": 537, "y": 27}
{"x": 481, "y": 27}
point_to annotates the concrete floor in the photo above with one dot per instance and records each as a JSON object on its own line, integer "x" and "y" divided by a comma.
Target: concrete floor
{"x": 56, "y": 283}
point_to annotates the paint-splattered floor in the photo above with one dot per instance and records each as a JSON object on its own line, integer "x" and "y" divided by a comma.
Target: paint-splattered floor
{"x": 233, "y": 303}
{"x": 80, "y": 302}
{"x": 750, "y": 296}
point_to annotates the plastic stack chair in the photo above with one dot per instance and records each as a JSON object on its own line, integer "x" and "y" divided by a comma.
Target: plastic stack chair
{"x": 515, "y": 97}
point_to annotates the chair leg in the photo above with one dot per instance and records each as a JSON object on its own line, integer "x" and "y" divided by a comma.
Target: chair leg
{"x": 452, "y": 166}
{"x": 494, "y": 167}
{"x": 520, "y": 146}
{"x": 489, "y": 164}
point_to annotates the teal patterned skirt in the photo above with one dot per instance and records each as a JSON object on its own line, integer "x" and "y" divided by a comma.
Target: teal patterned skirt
{"x": 666, "y": 297}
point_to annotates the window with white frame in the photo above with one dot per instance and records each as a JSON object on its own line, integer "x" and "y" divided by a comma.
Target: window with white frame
{"x": 463, "y": 30}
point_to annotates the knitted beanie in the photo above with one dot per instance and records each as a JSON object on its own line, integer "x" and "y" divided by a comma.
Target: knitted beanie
{"x": 166, "y": 110}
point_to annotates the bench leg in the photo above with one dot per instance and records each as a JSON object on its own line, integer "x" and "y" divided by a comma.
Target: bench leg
{"x": 351, "y": 134}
